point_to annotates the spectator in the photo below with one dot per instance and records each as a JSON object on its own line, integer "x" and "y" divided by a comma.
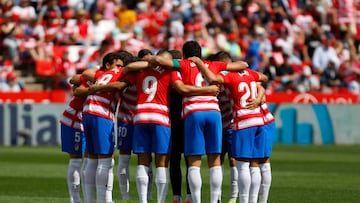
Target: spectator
{"x": 81, "y": 63}
{"x": 286, "y": 75}
{"x": 95, "y": 58}
{"x": 232, "y": 47}
{"x": 11, "y": 84}
{"x": 99, "y": 29}
{"x": 324, "y": 53}
{"x": 69, "y": 33}
{"x": 9, "y": 30}
{"x": 25, "y": 11}
{"x": 126, "y": 18}
{"x": 307, "y": 82}
{"x": 253, "y": 56}
{"x": 64, "y": 71}
{"x": 354, "y": 86}
{"x": 82, "y": 23}
{"x": 312, "y": 40}
{"x": 6, "y": 66}
{"x": 330, "y": 75}
{"x": 49, "y": 10}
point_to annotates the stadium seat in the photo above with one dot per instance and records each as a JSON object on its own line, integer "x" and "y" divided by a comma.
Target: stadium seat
{"x": 44, "y": 68}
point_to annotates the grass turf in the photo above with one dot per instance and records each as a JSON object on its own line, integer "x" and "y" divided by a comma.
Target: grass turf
{"x": 301, "y": 174}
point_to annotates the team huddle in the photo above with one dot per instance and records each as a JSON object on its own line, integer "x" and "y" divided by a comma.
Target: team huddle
{"x": 168, "y": 104}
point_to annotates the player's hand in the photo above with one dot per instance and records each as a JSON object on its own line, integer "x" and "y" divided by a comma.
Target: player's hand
{"x": 196, "y": 60}
{"x": 214, "y": 90}
{"x": 93, "y": 88}
{"x": 253, "y": 104}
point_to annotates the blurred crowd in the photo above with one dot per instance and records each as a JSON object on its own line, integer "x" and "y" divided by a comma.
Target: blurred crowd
{"x": 301, "y": 45}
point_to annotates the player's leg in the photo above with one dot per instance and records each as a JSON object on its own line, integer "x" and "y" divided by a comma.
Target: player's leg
{"x": 266, "y": 177}
{"x": 151, "y": 180}
{"x": 90, "y": 161}
{"x": 124, "y": 144}
{"x": 142, "y": 147}
{"x": 177, "y": 148}
{"x": 175, "y": 175}
{"x": 104, "y": 148}
{"x": 258, "y": 153}
{"x": 188, "y": 192}
{"x": 161, "y": 146}
{"x": 73, "y": 142}
{"x": 213, "y": 146}
{"x": 234, "y": 189}
{"x": 265, "y": 166}
{"x": 242, "y": 149}
{"x": 194, "y": 148}
{"x": 255, "y": 181}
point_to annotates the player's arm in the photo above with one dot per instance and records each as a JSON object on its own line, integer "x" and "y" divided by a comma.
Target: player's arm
{"x": 237, "y": 66}
{"x": 254, "y": 103}
{"x": 262, "y": 77}
{"x": 208, "y": 74}
{"x": 75, "y": 80}
{"x": 136, "y": 66}
{"x": 110, "y": 87}
{"x": 189, "y": 90}
{"x": 80, "y": 90}
{"x": 164, "y": 62}
{"x": 89, "y": 74}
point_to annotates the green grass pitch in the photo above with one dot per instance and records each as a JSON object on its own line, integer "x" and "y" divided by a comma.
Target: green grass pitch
{"x": 301, "y": 174}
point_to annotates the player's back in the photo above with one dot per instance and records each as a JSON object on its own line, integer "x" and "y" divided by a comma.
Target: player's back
{"x": 243, "y": 89}
{"x": 127, "y": 104}
{"x": 192, "y": 76}
{"x": 103, "y": 103}
{"x": 153, "y": 86}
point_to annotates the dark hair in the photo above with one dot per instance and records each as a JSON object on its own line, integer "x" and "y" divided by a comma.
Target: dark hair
{"x": 126, "y": 57}
{"x": 144, "y": 52}
{"x": 211, "y": 57}
{"x": 110, "y": 57}
{"x": 191, "y": 48}
{"x": 161, "y": 51}
{"x": 176, "y": 54}
{"x": 222, "y": 55}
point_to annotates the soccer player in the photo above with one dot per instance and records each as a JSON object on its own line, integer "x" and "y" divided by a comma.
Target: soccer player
{"x": 177, "y": 142}
{"x": 98, "y": 121}
{"x": 246, "y": 145}
{"x": 152, "y": 124}
{"x": 72, "y": 138}
{"x": 202, "y": 119}
{"x": 126, "y": 113}
{"x": 264, "y": 163}
{"x": 225, "y": 104}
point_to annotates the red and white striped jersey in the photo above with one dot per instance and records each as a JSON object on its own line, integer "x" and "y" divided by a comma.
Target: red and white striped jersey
{"x": 127, "y": 106}
{"x": 346, "y": 10}
{"x": 192, "y": 76}
{"x": 103, "y": 103}
{"x": 153, "y": 88}
{"x": 72, "y": 115}
{"x": 243, "y": 88}
{"x": 268, "y": 117}
{"x": 225, "y": 104}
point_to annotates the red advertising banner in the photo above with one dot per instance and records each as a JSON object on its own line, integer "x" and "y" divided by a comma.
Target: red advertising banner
{"x": 55, "y": 96}
{"x": 58, "y": 96}
{"x": 312, "y": 98}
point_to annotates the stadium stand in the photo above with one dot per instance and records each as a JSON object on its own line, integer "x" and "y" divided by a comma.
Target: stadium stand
{"x": 256, "y": 31}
